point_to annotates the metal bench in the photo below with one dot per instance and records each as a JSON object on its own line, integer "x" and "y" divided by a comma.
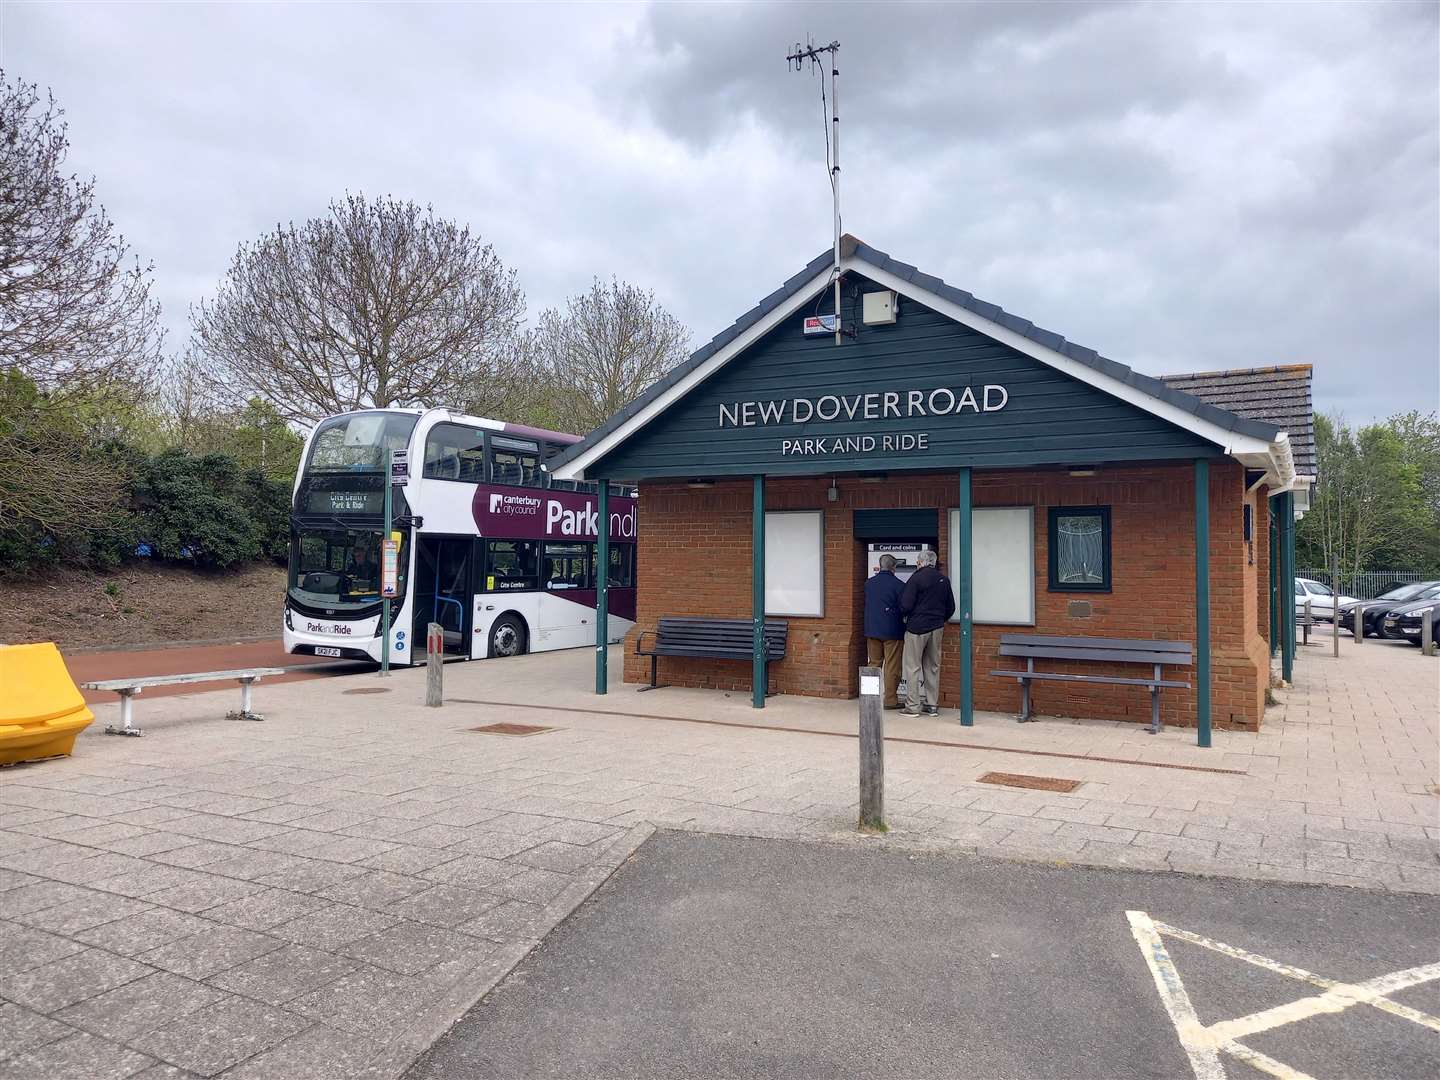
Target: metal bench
{"x": 719, "y": 639}
{"x": 128, "y": 688}
{"x": 1157, "y": 654}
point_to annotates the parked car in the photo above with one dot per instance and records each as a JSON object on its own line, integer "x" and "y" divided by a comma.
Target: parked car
{"x": 1376, "y": 609}
{"x": 1404, "y": 622}
{"x": 1322, "y": 600}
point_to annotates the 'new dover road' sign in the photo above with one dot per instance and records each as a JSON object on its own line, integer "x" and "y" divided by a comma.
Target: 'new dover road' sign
{"x": 878, "y": 405}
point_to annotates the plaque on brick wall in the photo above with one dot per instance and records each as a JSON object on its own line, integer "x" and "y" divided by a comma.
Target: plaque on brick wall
{"x": 1078, "y": 609}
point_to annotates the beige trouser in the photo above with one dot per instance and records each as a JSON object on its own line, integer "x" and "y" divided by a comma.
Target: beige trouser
{"x": 883, "y": 653}
{"x": 922, "y": 658}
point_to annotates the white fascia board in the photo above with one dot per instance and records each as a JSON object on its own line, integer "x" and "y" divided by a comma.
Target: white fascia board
{"x": 575, "y": 468}
{"x": 1230, "y": 441}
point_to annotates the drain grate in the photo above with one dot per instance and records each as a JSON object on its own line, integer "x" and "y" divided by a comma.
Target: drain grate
{"x": 368, "y": 690}
{"x": 1035, "y": 783}
{"x": 511, "y": 729}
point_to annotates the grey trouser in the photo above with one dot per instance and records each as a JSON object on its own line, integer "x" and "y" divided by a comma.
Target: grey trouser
{"x": 922, "y": 658}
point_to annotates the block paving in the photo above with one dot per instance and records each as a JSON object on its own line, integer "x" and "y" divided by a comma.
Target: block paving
{"x": 322, "y": 894}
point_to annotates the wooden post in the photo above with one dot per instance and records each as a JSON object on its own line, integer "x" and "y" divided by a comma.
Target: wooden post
{"x": 1202, "y": 602}
{"x": 602, "y": 591}
{"x": 1309, "y": 618}
{"x": 434, "y": 664}
{"x": 1335, "y": 608}
{"x": 1427, "y": 632}
{"x": 1357, "y": 613}
{"x": 872, "y": 750}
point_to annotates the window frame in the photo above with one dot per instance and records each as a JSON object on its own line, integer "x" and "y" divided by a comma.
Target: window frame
{"x": 529, "y": 583}
{"x": 627, "y": 547}
{"x": 588, "y": 553}
{"x": 1054, "y": 514}
{"x": 819, "y": 612}
{"x": 483, "y": 447}
{"x": 955, "y": 555}
{"x": 512, "y": 444}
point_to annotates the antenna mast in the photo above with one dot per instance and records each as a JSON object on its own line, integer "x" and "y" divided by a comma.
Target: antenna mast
{"x": 796, "y": 60}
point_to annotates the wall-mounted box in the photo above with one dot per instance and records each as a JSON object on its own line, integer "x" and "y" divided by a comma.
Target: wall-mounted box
{"x": 879, "y": 308}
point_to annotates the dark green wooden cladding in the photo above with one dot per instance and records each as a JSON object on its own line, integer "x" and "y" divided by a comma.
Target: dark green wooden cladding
{"x": 1050, "y": 418}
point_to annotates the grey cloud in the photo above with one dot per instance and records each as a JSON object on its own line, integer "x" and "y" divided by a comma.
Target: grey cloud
{"x": 1179, "y": 186}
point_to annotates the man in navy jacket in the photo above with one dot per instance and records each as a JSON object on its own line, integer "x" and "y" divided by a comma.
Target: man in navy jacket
{"x": 927, "y": 604}
{"x": 884, "y": 629}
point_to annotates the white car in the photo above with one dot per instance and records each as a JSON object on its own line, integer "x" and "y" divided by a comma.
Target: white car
{"x": 1321, "y": 599}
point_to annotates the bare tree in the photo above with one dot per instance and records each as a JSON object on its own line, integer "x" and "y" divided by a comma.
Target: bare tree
{"x": 76, "y": 314}
{"x": 379, "y": 304}
{"x": 604, "y": 350}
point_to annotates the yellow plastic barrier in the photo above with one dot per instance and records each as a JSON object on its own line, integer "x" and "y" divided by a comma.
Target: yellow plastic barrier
{"x": 41, "y": 710}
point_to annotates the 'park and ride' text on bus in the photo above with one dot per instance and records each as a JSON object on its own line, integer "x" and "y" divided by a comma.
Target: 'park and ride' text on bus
{"x": 491, "y": 549}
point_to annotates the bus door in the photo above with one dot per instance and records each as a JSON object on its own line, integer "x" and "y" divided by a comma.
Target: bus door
{"x": 442, "y": 591}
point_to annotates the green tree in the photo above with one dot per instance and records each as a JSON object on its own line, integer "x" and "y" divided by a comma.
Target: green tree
{"x": 1377, "y": 502}
{"x": 196, "y": 510}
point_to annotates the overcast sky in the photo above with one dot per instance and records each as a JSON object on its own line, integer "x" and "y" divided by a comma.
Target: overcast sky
{"x": 1182, "y": 187}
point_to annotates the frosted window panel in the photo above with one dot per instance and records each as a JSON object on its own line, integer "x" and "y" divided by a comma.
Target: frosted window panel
{"x": 795, "y": 563}
{"x": 1003, "y": 549}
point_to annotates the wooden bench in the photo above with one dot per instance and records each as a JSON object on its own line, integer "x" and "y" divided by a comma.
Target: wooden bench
{"x": 1158, "y": 654}
{"x": 128, "y": 688}
{"x": 719, "y": 639}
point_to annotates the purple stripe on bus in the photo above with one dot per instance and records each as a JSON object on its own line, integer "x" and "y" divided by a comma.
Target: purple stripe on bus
{"x": 540, "y": 433}
{"x": 518, "y": 513}
{"x": 622, "y": 601}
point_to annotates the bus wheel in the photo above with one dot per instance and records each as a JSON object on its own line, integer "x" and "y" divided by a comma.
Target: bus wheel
{"x": 507, "y": 637}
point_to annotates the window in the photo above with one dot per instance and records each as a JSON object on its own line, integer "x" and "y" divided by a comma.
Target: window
{"x": 567, "y": 566}
{"x": 1002, "y": 550}
{"x": 356, "y": 442}
{"x": 515, "y": 461}
{"x": 511, "y": 565}
{"x": 340, "y": 568}
{"x": 455, "y": 452}
{"x": 1079, "y": 549}
{"x": 622, "y": 566}
{"x": 795, "y": 563}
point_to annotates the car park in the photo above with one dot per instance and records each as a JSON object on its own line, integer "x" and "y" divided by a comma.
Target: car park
{"x": 1320, "y": 598}
{"x": 1377, "y": 609}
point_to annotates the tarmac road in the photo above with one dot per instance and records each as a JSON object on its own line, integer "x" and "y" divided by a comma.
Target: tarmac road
{"x": 710, "y": 956}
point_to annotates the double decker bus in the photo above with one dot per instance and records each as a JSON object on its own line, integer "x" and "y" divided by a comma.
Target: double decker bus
{"x": 502, "y": 557}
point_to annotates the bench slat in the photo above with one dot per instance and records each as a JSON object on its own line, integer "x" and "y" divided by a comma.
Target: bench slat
{"x": 140, "y": 681}
{"x": 1092, "y": 679}
{"x": 1096, "y": 642}
{"x": 1134, "y": 656}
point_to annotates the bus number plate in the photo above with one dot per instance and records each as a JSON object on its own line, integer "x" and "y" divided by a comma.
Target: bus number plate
{"x": 321, "y": 650}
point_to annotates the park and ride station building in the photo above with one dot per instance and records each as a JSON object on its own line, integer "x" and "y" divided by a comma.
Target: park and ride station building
{"x": 1064, "y": 493}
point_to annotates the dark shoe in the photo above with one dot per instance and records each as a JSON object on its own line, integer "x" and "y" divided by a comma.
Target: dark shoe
{"x": 931, "y": 710}
{"x": 894, "y": 705}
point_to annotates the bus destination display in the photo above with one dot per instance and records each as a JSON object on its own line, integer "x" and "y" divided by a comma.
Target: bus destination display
{"x": 345, "y": 502}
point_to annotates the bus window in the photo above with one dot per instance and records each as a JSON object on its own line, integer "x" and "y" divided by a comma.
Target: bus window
{"x": 356, "y": 442}
{"x": 455, "y": 452}
{"x": 567, "y": 566}
{"x": 515, "y": 461}
{"x": 510, "y": 565}
{"x": 622, "y": 566}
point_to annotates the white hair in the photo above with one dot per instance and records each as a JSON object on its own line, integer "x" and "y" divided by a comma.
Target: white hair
{"x": 926, "y": 558}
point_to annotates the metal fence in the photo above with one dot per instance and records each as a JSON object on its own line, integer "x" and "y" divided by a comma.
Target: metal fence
{"x": 1365, "y": 585}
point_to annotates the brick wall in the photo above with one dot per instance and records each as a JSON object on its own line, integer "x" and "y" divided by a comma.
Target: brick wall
{"x": 695, "y": 559}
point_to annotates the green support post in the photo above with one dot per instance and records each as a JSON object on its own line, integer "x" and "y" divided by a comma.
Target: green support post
{"x": 385, "y": 600}
{"x": 964, "y": 576}
{"x": 1274, "y": 593}
{"x": 1202, "y": 601}
{"x": 757, "y": 593}
{"x": 1287, "y": 584}
{"x": 602, "y": 591}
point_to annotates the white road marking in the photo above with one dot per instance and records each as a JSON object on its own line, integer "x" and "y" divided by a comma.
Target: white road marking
{"x": 1203, "y": 1044}
{"x": 1204, "y": 1058}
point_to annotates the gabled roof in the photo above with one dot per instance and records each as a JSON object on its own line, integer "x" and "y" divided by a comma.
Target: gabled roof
{"x": 1211, "y": 421}
{"x": 1272, "y": 395}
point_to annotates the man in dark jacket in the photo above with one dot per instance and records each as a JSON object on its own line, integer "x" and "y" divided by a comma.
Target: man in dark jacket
{"x": 926, "y": 604}
{"x": 884, "y": 630}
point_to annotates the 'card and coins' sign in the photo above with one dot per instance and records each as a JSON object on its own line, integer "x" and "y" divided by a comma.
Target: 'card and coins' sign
{"x": 877, "y": 405}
